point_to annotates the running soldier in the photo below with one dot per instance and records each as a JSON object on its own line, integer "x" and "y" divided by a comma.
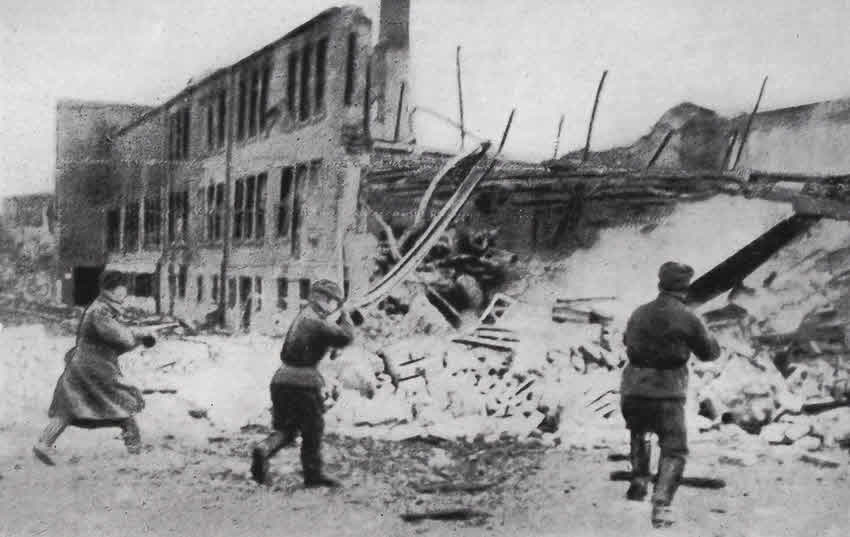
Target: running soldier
{"x": 659, "y": 339}
{"x": 91, "y": 393}
{"x": 297, "y": 404}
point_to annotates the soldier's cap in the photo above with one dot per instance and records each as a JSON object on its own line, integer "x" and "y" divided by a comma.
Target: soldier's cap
{"x": 673, "y": 276}
{"x": 328, "y": 289}
{"x": 110, "y": 279}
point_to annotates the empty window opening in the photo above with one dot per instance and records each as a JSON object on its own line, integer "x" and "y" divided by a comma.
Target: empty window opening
{"x": 287, "y": 176}
{"x": 258, "y": 293}
{"x": 291, "y": 83}
{"x": 282, "y": 293}
{"x": 214, "y": 288}
{"x": 182, "y": 275}
{"x": 304, "y": 93}
{"x": 349, "y": 69}
{"x": 113, "y": 230}
{"x": 222, "y": 116}
{"x": 152, "y": 220}
{"x": 304, "y": 291}
{"x": 321, "y": 60}
{"x": 260, "y": 227}
{"x": 131, "y": 227}
{"x": 199, "y": 282}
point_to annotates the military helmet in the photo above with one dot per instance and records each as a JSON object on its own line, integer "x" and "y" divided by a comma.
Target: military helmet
{"x": 327, "y": 288}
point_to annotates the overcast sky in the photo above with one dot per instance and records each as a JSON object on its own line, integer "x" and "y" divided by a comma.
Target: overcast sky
{"x": 544, "y": 57}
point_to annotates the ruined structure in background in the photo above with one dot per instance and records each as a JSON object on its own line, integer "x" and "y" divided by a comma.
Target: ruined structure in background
{"x": 245, "y": 186}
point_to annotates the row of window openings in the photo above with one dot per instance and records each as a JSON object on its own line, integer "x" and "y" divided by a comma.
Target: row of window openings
{"x": 253, "y": 111}
{"x": 246, "y": 291}
{"x": 249, "y": 215}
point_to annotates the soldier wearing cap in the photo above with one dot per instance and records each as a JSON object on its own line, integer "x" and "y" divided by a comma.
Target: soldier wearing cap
{"x": 297, "y": 404}
{"x": 660, "y": 337}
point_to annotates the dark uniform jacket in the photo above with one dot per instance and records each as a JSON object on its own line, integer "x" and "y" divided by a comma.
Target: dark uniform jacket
{"x": 306, "y": 343}
{"x": 659, "y": 339}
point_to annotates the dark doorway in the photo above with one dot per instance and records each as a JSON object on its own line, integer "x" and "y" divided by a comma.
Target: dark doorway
{"x": 245, "y": 301}
{"x": 86, "y": 287}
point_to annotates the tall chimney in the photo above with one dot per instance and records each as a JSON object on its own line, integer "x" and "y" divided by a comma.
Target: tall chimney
{"x": 391, "y": 85}
{"x": 395, "y": 23}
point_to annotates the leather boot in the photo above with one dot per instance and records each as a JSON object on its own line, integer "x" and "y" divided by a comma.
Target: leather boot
{"x": 321, "y": 480}
{"x": 43, "y": 449}
{"x": 641, "y": 451}
{"x": 670, "y": 470}
{"x": 131, "y": 436}
{"x": 261, "y": 454}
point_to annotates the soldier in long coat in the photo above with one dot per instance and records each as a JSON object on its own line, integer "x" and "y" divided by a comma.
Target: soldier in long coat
{"x": 660, "y": 337}
{"x": 91, "y": 392}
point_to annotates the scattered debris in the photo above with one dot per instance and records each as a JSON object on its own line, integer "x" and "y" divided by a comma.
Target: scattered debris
{"x": 462, "y": 513}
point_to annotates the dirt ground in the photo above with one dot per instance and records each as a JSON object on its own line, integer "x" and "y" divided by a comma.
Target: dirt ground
{"x": 176, "y": 487}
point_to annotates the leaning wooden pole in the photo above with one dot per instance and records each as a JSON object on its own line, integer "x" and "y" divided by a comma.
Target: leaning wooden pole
{"x": 558, "y": 137}
{"x": 397, "y": 131}
{"x": 460, "y": 98}
{"x": 749, "y": 125}
{"x": 660, "y": 148}
{"x": 724, "y": 165}
{"x": 593, "y": 116}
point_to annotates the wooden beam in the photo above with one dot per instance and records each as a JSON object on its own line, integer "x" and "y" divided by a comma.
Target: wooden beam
{"x": 661, "y": 147}
{"x": 746, "y": 134}
{"x": 593, "y": 116}
{"x": 460, "y": 98}
{"x": 398, "y": 113}
{"x": 724, "y": 165}
{"x": 558, "y": 137}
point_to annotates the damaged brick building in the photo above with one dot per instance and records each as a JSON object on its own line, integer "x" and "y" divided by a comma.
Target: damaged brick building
{"x": 241, "y": 189}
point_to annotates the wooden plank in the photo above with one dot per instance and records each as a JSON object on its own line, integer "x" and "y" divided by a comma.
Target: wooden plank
{"x": 742, "y": 263}
{"x": 481, "y": 342}
{"x": 696, "y": 482}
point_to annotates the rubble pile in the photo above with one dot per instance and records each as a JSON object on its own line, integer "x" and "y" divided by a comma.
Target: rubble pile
{"x": 460, "y": 273}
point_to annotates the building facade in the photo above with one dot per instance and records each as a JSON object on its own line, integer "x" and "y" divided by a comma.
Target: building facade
{"x": 242, "y": 189}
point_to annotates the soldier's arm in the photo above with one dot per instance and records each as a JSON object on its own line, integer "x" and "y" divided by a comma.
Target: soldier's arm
{"x": 702, "y": 343}
{"x": 112, "y": 331}
{"x": 338, "y": 335}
